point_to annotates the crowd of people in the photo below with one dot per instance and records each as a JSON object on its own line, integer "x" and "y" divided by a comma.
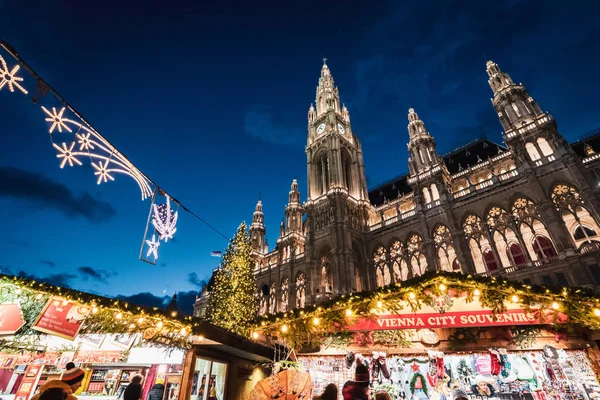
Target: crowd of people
{"x": 360, "y": 389}
{"x": 72, "y": 378}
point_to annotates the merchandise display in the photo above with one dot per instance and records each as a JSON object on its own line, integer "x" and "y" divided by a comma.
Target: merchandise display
{"x": 547, "y": 374}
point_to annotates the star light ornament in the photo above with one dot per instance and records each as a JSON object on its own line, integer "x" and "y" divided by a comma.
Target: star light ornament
{"x": 8, "y": 78}
{"x": 164, "y": 220}
{"x": 153, "y": 247}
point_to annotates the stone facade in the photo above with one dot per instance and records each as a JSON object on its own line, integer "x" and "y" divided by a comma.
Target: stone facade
{"x": 527, "y": 209}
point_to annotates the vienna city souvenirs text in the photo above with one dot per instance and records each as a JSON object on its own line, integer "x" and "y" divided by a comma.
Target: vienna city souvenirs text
{"x": 458, "y": 315}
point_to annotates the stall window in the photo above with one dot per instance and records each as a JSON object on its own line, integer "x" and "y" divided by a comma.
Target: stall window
{"x": 208, "y": 381}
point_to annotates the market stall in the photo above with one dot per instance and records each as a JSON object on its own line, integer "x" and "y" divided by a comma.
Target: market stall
{"x": 43, "y": 328}
{"x": 489, "y": 337}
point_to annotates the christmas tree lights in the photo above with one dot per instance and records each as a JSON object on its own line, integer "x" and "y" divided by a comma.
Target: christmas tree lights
{"x": 232, "y": 303}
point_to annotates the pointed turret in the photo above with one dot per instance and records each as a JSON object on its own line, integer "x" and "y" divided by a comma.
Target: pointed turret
{"x": 258, "y": 230}
{"x": 312, "y": 114}
{"x": 282, "y": 228}
{"x": 328, "y": 96}
{"x": 172, "y": 307}
{"x": 293, "y": 210}
{"x": 421, "y": 147}
{"x": 514, "y": 105}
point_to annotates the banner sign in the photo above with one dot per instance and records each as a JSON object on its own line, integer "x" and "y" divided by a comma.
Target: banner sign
{"x": 29, "y": 382}
{"x": 11, "y": 319}
{"x": 61, "y": 318}
{"x": 453, "y": 312}
{"x": 97, "y": 356}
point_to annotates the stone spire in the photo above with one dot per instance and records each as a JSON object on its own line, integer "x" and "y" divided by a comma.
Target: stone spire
{"x": 293, "y": 210}
{"x": 514, "y": 105}
{"x": 328, "y": 96}
{"x": 258, "y": 230}
{"x": 421, "y": 147}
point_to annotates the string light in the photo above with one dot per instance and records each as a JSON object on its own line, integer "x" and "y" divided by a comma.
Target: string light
{"x": 284, "y": 328}
{"x": 65, "y": 303}
{"x": 183, "y": 331}
{"x": 132, "y": 326}
{"x": 18, "y": 291}
{"x": 514, "y": 298}
{"x": 160, "y": 324}
{"x": 555, "y": 305}
{"x": 411, "y": 296}
{"x": 39, "y": 296}
{"x": 94, "y": 310}
{"x": 141, "y": 320}
{"x": 476, "y": 292}
{"x": 442, "y": 287}
{"x": 255, "y": 335}
{"x": 119, "y": 316}
{"x": 315, "y": 321}
{"x": 597, "y": 312}
{"x": 379, "y": 304}
{"x": 348, "y": 312}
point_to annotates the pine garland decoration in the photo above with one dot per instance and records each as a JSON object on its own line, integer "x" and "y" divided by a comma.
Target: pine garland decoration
{"x": 391, "y": 338}
{"x": 232, "y": 303}
{"x": 423, "y": 383}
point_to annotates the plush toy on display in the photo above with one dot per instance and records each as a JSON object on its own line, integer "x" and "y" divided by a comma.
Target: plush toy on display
{"x": 379, "y": 367}
{"x": 349, "y": 359}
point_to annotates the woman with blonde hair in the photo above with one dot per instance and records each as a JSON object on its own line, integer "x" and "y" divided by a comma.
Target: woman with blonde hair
{"x": 382, "y": 395}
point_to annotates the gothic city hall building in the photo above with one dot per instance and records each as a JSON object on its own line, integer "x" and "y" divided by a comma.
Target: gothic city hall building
{"x": 527, "y": 210}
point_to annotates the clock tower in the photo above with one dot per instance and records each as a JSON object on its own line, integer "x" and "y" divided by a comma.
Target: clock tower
{"x": 337, "y": 205}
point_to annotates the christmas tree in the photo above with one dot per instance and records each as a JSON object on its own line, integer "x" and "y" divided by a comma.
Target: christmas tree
{"x": 232, "y": 302}
{"x": 463, "y": 368}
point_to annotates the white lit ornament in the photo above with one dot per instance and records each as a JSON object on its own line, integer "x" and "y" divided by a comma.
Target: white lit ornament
{"x": 8, "y": 78}
{"x": 102, "y": 172}
{"x": 164, "y": 220}
{"x": 153, "y": 247}
{"x": 67, "y": 154}
{"x": 58, "y": 122}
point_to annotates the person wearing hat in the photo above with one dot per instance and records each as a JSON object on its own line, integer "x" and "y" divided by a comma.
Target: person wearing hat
{"x": 358, "y": 389}
{"x": 69, "y": 382}
{"x": 459, "y": 394}
{"x": 157, "y": 391}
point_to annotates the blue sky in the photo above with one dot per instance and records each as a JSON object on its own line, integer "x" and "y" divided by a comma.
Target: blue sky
{"x": 210, "y": 99}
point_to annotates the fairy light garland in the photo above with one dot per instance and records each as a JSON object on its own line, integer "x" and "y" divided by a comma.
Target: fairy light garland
{"x": 106, "y": 315}
{"x": 579, "y": 305}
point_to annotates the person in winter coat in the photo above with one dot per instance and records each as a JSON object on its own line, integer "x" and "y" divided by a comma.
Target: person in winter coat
{"x": 357, "y": 389}
{"x": 158, "y": 390}
{"x": 54, "y": 394}
{"x": 69, "y": 382}
{"x": 330, "y": 393}
{"x": 134, "y": 389}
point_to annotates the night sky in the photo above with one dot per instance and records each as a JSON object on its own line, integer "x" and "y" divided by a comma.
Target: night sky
{"x": 210, "y": 101}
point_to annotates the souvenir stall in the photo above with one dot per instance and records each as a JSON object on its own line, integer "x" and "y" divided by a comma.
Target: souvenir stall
{"x": 489, "y": 338}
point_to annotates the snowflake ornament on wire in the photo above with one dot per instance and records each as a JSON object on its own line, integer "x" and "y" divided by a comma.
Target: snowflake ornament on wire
{"x": 164, "y": 220}
{"x": 57, "y": 119}
{"x": 67, "y": 154}
{"x": 8, "y": 78}
{"x": 153, "y": 247}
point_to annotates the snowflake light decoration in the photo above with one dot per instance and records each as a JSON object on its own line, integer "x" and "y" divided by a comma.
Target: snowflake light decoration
{"x": 105, "y": 158}
{"x": 67, "y": 154}
{"x": 153, "y": 247}
{"x": 164, "y": 220}
{"x": 8, "y": 78}
{"x": 58, "y": 122}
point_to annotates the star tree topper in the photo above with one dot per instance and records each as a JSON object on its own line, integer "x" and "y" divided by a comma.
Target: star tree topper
{"x": 164, "y": 220}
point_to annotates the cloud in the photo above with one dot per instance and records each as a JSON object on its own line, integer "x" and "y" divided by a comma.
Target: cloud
{"x": 62, "y": 280}
{"x": 48, "y": 263}
{"x": 259, "y": 123}
{"x": 42, "y": 192}
{"x": 185, "y": 300}
{"x": 196, "y": 281}
{"x": 99, "y": 275}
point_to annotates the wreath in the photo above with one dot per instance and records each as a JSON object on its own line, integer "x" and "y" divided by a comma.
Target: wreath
{"x": 423, "y": 383}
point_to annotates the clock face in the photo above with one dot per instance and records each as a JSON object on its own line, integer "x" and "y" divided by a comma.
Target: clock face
{"x": 341, "y": 129}
{"x": 321, "y": 129}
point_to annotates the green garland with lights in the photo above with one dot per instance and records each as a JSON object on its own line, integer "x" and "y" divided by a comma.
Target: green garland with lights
{"x": 413, "y": 381}
{"x": 232, "y": 303}
{"x": 297, "y": 326}
{"x": 108, "y": 316}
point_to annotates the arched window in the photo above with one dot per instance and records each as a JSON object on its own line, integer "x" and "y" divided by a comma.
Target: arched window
{"x": 533, "y": 152}
{"x": 491, "y": 264}
{"x": 583, "y": 232}
{"x": 571, "y": 206}
{"x": 398, "y": 261}
{"x": 499, "y": 223}
{"x": 323, "y": 175}
{"x": 285, "y": 287}
{"x": 263, "y": 295}
{"x": 456, "y": 265}
{"x": 300, "y": 290}
{"x": 543, "y": 248}
{"x": 530, "y": 226}
{"x": 515, "y": 254}
{"x": 347, "y": 171}
{"x": 544, "y": 146}
{"x": 442, "y": 238}
{"x": 382, "y": 270}
{"x": 272, "y": 300}
{"x": 478, "y": 240}
{"x": 416, "y": 255}
{"x": 426, "y": 195}
{"x": 326, "y": 276}
{"x": 435, "y": 195}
